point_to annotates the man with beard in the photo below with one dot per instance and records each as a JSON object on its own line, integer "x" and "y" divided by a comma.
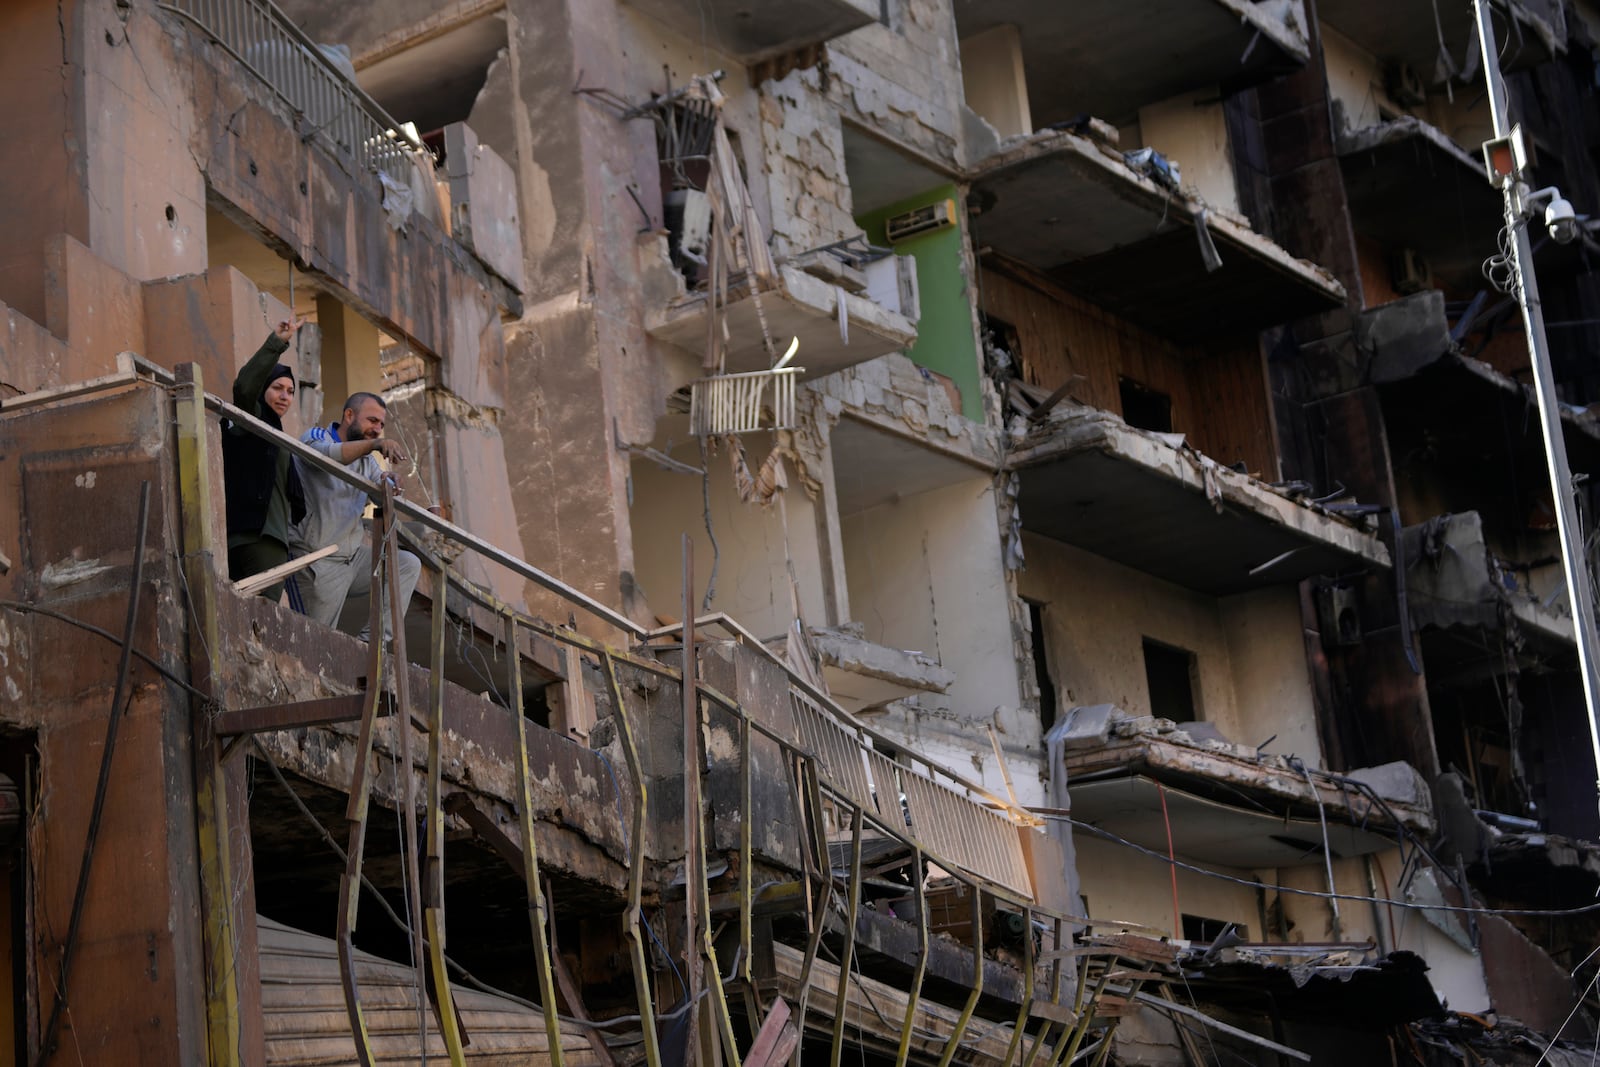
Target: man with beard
{"x": 333, "y": 513}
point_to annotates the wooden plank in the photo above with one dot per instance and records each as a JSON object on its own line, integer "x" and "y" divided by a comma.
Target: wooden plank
{"x": 256, "y": 582}
{"x": 1053, "y": 1012}
{"x": 1135, "y": 947}
{"x": 776, "y": 1039}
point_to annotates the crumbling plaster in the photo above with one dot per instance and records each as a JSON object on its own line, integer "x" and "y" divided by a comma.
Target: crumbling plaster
{"x": 886, "y": 80}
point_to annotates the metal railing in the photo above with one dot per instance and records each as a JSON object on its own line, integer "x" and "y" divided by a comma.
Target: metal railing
{"x": 732, "y": 403}
{"x": 837, "y": 777}
{"x": 262, "y": 37}
{"x": 945, "y": 822}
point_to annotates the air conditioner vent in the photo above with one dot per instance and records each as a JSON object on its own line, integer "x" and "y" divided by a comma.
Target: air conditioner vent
{"x": 937, "y": 216}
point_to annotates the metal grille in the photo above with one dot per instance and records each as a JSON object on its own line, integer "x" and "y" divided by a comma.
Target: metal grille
{"x": 961, "y": 831}
{"x": 732, "y": 403}
{"x": 837, "y": 751}
{"x": 261, "y": 37}
{"x": 949, "y": 825}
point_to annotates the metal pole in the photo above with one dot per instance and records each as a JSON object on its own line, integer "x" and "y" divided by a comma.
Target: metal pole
{"x": 1580, "y": 593}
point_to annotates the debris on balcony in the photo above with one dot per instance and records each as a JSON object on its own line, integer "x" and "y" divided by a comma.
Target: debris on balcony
{"x": 1102, "y": 741}
{"x": 1078, "y": 212}
{"x": 1150, "y": 501}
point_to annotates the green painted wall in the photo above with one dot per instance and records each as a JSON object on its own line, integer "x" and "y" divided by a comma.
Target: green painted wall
{"x": 944, "y": 335}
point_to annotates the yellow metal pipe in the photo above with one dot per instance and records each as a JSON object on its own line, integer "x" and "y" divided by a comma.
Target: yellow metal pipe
{"x": 433, "y": 888}
{"x": 530, "y": 854}
{"x": 641, "y": 969}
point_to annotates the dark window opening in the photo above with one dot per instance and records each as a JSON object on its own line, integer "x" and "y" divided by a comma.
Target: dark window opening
{"x": 1002, "y": 348}
{"x": 1169, "y": 673}
{"x": 1041, "y": 668}
{"x": 1144, "y": 407}
{"x": 1202, "y": 930}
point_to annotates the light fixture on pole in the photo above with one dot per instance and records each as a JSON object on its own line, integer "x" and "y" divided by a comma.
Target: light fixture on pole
{"x": 1506, "y": 159}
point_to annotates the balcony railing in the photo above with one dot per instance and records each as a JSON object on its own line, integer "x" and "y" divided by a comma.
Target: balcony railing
{"x": 259, "y": 35}
{"x": 924, "y": 809}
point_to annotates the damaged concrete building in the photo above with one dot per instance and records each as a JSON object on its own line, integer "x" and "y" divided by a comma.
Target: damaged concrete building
{"x": 982, "y": 531}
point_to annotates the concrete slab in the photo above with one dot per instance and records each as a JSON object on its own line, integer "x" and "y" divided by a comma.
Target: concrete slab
{"x": 1090, "y": 480}
{"x": 1408, "y": 33}
{"x": 862, "y": 674}
{"x": 1156, "y": 748}
{"x": 483, "y": 203}
{"x": 803, "y": 307}
{"x": 1395, "y": 781}
{"x": 1109, "y": 57}
{"x": 755, "y": 31}
{"x": 1405, "y": 335}
{"x": 1072, "y": 209}
{"x": 1462, "y": 585}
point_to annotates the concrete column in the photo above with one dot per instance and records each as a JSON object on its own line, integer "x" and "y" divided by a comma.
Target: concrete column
{"x": 349, "y": 355}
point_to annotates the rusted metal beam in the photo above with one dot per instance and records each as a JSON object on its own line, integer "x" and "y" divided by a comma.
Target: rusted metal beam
{"x": 433, "y": 876}
{"x": 359, "y": 802}
{"x": 537, "y": 919}
{"x": 481, "y": 823}
{"x": 631, "y": 918}
{"x": 218, "y": 892}
{"x": 405, "y": 768}
{"x": 320, "y": 712}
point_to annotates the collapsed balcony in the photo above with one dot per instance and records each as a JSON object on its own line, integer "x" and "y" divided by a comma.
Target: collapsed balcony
{"x": 1230, "y": 804}
{"x": 1411, "y": 187}
{"x": 1150, "y": 502}
{"x": 1074, "y": 210}
{"x": 1459, "y": 583}
{"x": 1107, "y": 58}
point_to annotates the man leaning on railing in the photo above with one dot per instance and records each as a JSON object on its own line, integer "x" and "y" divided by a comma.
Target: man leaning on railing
{"x": 334, "y": 509}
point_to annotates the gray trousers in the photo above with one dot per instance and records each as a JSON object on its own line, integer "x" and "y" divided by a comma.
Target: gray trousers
{"x": 328, "y": 584}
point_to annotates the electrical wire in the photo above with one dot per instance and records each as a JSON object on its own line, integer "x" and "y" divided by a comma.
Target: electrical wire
{"x": 22, "y": 607}
{"x": 1107, "y": 835}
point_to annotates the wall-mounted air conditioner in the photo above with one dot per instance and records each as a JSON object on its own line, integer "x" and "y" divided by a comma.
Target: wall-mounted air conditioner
{"x": 930, "y": 219}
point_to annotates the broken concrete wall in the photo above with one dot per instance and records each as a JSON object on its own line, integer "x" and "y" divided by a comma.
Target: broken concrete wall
{"x": 901, "y": 79}
{"x": 926, "y": 575}
{"x": 50, "y": 195}
{"x": 587, "y": 374}
{"x": 1249, "y": 675}
{"x": 901, "y": 82}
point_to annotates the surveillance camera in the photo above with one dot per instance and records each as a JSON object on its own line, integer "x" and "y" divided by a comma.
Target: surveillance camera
{"x": 1561, "y": 221}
